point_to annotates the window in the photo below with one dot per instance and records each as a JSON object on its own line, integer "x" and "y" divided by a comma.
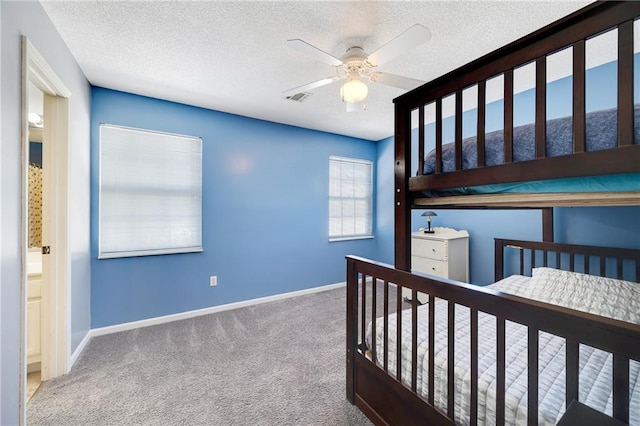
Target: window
{"x": 150, "y": 199}
{"x": 350, "y": 198}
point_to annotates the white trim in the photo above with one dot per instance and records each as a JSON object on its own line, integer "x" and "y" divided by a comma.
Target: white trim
{"x": 42, "y": 75}
{"x": 359, "y": 237}
{"x": 351, "y": 160}
{"x": 138, "y": 253}
{"x": 55, "y": 296}
{"x": 206, "y": 311}
{"x": 76, "y": 354}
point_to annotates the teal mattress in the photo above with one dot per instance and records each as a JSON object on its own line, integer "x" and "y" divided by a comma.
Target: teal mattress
{"x": 609, "y": 183}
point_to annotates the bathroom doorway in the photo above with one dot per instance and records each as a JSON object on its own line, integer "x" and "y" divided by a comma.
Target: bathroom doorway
{"x": 45, "y": 245}
{"x": 35, "y": 279}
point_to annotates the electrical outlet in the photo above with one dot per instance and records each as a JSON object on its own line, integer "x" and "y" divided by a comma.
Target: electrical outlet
{"x": 213, "y": 280}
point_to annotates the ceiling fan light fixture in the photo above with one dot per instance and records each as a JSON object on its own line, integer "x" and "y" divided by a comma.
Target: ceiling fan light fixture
{"x": 354, "y": 91}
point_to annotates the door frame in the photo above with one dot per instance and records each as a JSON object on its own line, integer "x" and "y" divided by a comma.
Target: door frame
{"x": 55, "y": 329}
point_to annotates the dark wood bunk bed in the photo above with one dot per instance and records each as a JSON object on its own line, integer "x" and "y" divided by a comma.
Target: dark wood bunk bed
{"x": 432, "y": 386}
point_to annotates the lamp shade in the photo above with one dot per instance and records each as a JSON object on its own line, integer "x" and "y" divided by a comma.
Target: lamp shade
{"x": 354, "y": 91}
{"x": 429, "y": 213}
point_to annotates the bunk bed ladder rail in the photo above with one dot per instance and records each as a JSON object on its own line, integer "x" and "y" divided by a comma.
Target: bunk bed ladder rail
{"x": 401, "y": 394}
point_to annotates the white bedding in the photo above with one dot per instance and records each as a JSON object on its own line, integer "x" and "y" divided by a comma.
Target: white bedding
{"x": 613, "y": 298}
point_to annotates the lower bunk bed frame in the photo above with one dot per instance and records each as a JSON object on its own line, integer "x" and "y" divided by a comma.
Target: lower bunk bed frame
{"x": 387, "y": 400}
{"x": 380, "y": 395}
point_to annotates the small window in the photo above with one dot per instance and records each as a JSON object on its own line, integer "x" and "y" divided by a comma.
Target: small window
{"x": 350, "y": 198}
{"x": 150, "y": 199}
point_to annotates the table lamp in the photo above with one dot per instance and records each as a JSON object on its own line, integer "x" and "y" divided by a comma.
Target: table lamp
{"x": 428, "y": 214}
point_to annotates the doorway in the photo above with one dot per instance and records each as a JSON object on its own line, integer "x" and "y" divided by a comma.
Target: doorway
{"x": 44, "y": 305}
{"x": 35, "y": 279}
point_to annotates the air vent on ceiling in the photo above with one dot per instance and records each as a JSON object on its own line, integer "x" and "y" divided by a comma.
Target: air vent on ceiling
{"x": 299, "y": 97}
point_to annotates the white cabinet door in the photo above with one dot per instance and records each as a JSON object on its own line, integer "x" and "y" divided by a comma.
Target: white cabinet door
{"x": 33, "y": 331}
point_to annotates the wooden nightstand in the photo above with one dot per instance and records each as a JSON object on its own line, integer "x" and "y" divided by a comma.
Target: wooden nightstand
{"x": 445, "y": 253}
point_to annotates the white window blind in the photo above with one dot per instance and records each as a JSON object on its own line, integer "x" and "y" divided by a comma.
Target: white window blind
{"x": 350, "y": 198}
{"x": 150, "y": 198}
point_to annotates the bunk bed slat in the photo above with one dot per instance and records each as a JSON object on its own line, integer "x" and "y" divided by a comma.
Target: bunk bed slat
{"x": 458, "y": 130}
{"x": 432, "y": 342}
{"x": 508, "y": 116}
{"x": 374, "y": 304}
{"x": 579, "y": 118}
{"x": 399, "y": 334}
{"x": 532, "y": 371}
{"x": 451, "y": 326}
{"x": 547, "y": 224}
{"x": 533, "y": 258}
{"x": 363, "y": 317}
{"x": 482, "y": 100}
{"x": 438, "y": 135}
{"x": 573, "y": 363}
{"x": 385, "y": 326}
{"x": 421, "y": 139}
{"x": 498, "y": 267}
{"x": 500, "y": 370}
{"x": 619, "y": 269}
{"x": 621, "y": 388}
{"x": 625, "y": 83}
{"x": 541, "y": 107}
{"x": 414, "y": 339}
{"x": 474, "y": 368}
{"x": 586, "y": 264}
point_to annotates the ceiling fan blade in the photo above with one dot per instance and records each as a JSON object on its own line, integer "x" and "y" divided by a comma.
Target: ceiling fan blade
{"x": 313, "y": 52}
{"x": 409, "y": 39}
{"x": 394, "y": 80}
{"x": 310, "y": 86}
{"x": 355, "y": 106}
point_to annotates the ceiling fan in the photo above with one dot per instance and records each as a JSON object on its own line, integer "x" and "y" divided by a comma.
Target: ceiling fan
{"x": 356, "y": 65}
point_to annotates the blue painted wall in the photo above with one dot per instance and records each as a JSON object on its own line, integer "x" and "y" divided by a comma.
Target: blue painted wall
{"x": 265, "y": 213}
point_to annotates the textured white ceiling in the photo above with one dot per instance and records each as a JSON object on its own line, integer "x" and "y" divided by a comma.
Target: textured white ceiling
{"x": 231, "y": 56}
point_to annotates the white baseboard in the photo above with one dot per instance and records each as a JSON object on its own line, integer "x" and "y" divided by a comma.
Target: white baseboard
{"x": 199, "y": 312}
{"x": 76, "y": 354}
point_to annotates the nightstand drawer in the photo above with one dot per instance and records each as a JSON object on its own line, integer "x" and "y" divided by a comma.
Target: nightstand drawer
{"x": 433, "y": 249}
{"x": 429, "y": 266}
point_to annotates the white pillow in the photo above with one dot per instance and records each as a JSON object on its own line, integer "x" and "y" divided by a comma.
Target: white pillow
{"x": 603, "y": 296}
